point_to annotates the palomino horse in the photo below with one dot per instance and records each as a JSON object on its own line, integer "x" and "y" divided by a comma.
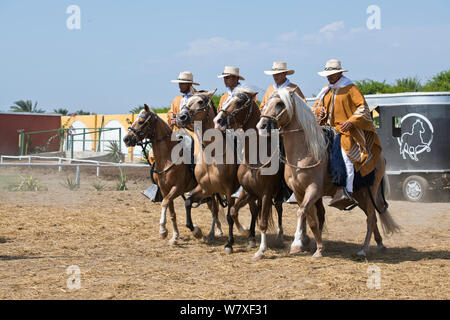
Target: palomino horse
{"x": 306, "y": 171}
{"x": 241, "y": 111}
{"x": 172, "y": 179}
{"x": 214, "y": 179}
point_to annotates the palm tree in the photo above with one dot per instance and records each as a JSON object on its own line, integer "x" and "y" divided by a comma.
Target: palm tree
{"x": 61, "y": 111}
{"x": 83, "y": 113}
{"x": 25, "y": 106}
{"x": 137, "y": 110}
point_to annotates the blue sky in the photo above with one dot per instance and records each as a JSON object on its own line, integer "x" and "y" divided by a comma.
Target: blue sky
{"x": 126, "y": 52}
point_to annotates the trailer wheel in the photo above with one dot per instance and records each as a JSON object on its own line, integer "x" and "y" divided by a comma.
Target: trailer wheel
{"x": 415, "y": 188}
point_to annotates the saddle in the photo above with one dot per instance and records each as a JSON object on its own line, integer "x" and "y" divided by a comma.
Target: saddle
{"x": 337, "y": 165}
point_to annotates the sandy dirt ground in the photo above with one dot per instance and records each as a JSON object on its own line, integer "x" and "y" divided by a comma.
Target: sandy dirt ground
{"x": 112, "y": 237}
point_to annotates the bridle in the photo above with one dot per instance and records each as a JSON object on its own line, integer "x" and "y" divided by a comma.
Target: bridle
{"x": 193, "y": 113}
{"x": 277, "y": 118}
{"x": 231, "y": 115}
{"x": 149, "y": 124}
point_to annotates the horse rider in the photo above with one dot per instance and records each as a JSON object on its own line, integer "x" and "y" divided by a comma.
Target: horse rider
{"x": 185, "y": 83}
{"x": 341, "y": 105}
{"x": 231, "y": 79}
{"x": 280, "y": 72}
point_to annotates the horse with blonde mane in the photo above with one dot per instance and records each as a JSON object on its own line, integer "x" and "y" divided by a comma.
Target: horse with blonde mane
{"x": 307, "y": 173}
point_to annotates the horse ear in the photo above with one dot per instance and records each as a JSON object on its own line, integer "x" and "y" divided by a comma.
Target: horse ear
{"x": 147, "y": 109}
{"x": 291, "y": 90}
{"x": 211, "y": 93}
{"x": 252, "y": 95}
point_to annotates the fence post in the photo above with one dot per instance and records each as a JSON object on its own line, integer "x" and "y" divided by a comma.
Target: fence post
{"x": 71, "y": 148}
{"x": 120, "y": 140}
{"x": 77, "y": 177}
{"x": 84, "y": 137}
{"x": 98, "y": 169}
{"x": 21, "y": 142}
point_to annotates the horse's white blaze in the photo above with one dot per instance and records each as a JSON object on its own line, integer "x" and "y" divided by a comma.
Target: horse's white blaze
{"x": 216, "y": 120}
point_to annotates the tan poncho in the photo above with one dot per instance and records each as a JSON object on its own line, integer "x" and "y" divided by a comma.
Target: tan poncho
{"x": 361, "y": 143}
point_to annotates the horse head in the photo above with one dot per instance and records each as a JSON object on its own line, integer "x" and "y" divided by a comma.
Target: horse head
{"x": 141, "y": 127}
{"x": 197, "y": 108}
{"x": 276, "y": 114}
{"x": 236, "y": 110}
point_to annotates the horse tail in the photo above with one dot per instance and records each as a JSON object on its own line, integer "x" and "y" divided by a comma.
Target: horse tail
{"x": 387, "y": 221}
{"x": 221, "y": 214}
{"x": 320, "y": 214}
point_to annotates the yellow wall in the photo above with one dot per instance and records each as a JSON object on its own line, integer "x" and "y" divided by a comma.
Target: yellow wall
{"x": 95, "y": 121}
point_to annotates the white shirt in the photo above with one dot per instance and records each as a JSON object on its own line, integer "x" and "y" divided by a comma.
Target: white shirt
{"x": 185, "y": 98}
{"x": 285, "y": 84}
{"x": 230, "y": 94}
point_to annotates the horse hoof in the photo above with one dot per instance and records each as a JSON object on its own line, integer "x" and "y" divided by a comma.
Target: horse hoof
{"x": 258, "y": 256}
{"x": 381, "y": 248}
{"x": 163, "y": 235}
{"x": 361, "y": 254}
{"x": 197, "y": 232}
{"x": 209, "y": 239}
{"x": 317, "y": 255}
{"x": 295, "y": 249}
{"x": 228, "y": 250}
{"x": 173, "y": 242}
{"x": 219, "y": 233}
{"x": 251, "y": 244}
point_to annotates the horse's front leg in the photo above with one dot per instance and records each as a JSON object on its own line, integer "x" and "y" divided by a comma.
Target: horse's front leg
{"x": 240, "y": 202}
{"x": 279, "y": 208}
{"x": 167, "y": 203}
{"x": 307, "y": 210}
{"x": 173, "y": 217}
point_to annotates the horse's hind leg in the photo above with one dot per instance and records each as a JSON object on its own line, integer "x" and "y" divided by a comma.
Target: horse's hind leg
{"x": 195, "y": 195}
{"x": 213, "y": 206}
{"x": 254, "y": 209}
{"x": 279, "y": 208}
{"x": 369, "y": 210}
{"x": 320, "y": 214}
{"x": 230, "y": 242}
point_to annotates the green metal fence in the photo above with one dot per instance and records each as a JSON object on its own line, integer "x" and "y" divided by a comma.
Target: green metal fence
{"x": 67, "y": 138}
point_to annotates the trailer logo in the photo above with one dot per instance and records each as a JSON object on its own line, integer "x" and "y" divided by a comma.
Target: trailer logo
{"x": 418, "y": 138}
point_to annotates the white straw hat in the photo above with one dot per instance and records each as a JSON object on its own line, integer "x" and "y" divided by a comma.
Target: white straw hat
{"x": 279, "y": 67}
{"x": 185, "y": 77}
{"x": 231, "y": 71}
{"x": 331, "y": 67}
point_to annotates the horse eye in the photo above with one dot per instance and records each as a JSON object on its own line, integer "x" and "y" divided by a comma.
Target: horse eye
{"x": 141, "y": 122}
{"x": 200, "y": 102}
{"x": 279, "y": 105}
